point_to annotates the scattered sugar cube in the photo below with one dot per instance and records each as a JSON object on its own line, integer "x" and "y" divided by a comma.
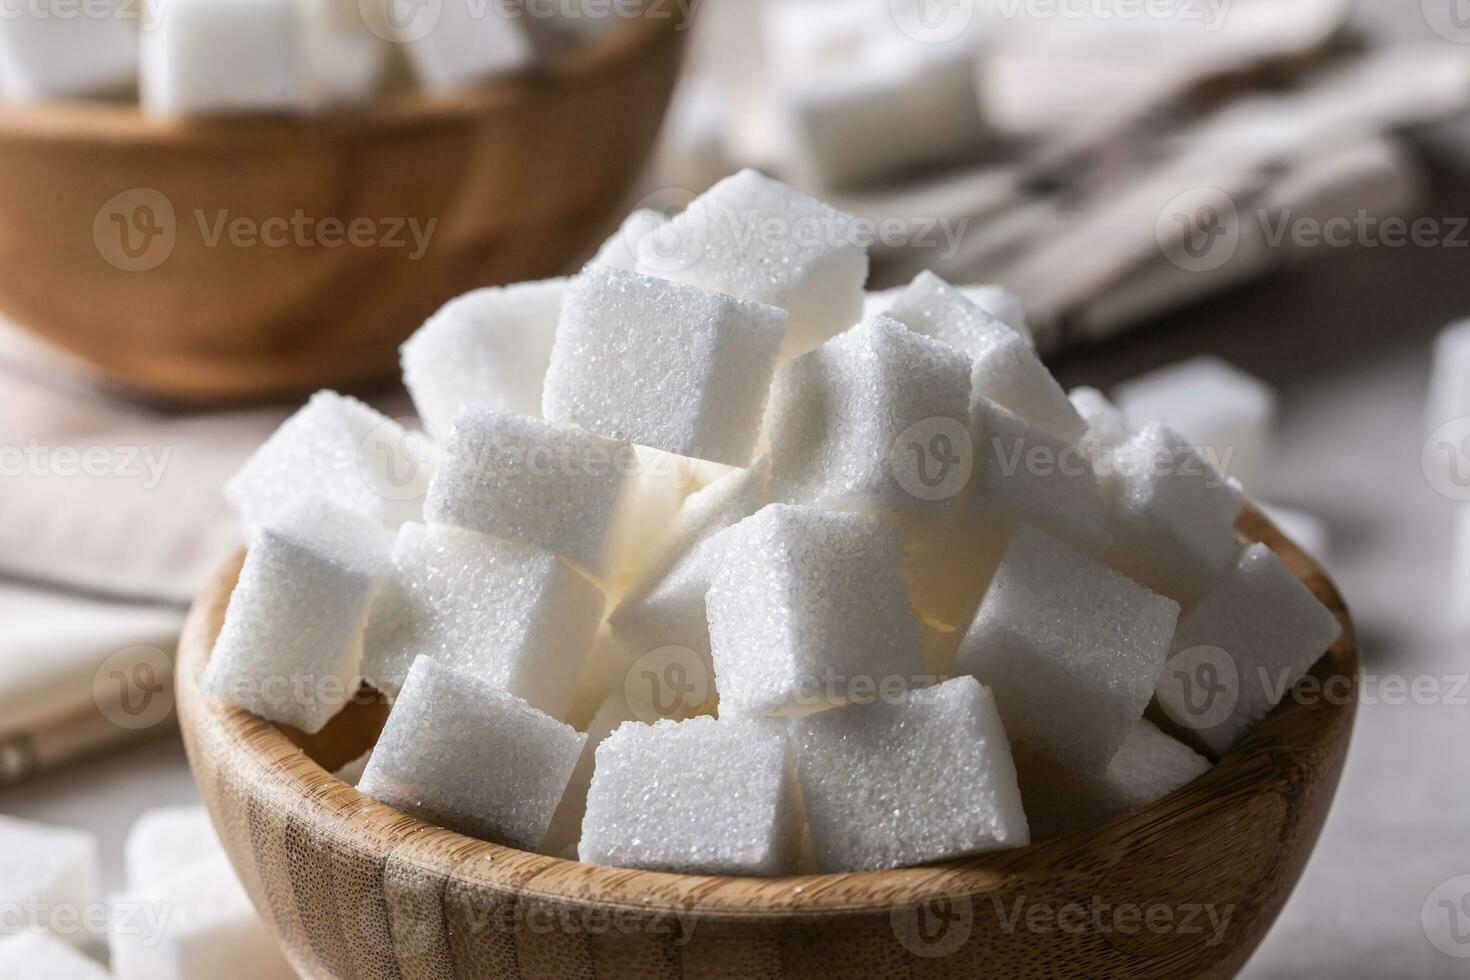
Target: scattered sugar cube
{"x": 1071, "y": 648}
{"x": 663, "y": 364}
{"x": 566, "y": 825}
{"x": 1449, "y": 387}
{"x": 694, "y": 797}
{"x": 44, "y": 870}
{"x": 210, "y": 56}
{"x": 454, "y": 45}
{"x": 291, "y": 644}
{"x": 198, "y": 925}
{"x": 527, "y": 480}
{"x": 760, "y": 240}
{"x": 998, "y": 301}
{"x": 934, "y": 308}
{"x": 1459, "y": 617}
{"x": 338, "y": 448}
{"x": 853, "y": 422}
{"x": 1222, "y": 410}
{"x": 46, "y": 54}
{"x": 165, "y": 842}
{"x": 621, "y": 250}
{"x": 37, "y": 956}
{"x": 655, "y": 492}
{"x": 920, "y": 778}
{"x": 1148, "y": 767}
{"x": 1307, "y": 531}
{"x": 808, "y": 609}
{"x": 1024, "y": 476}
{"x": 1239, "y": 651}
{"x": 1010, "y": 374}
{"x": 1107, "y": 428}
{"x": 514, "y": 616}
{"x": 487, "y": 349}
{"x": 666, "y": 606}
{"x": 1173, "y": 514}
{"x": 948, "y": 564}
{"x": 461, "y": 753}
{"x": 346, "y": 59}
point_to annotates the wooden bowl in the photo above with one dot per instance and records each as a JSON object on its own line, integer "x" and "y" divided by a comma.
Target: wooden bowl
{"x": 520, "y": 177}
{"x": 353, "y": 889}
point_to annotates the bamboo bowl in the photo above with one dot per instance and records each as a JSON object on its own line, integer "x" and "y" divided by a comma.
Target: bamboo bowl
{"x": 115, "y": 240}
{"x": 354, "y": 889}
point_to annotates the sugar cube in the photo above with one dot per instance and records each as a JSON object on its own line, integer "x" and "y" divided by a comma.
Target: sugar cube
{"x": 1024, "y": 476}
{"x": 1072, "y": 649}
{"x": 1307, "y": 531}
{"x": 1173, "y": 514}
{"x": 998, "y": 301}
{"x": 454, "y": 45}
{"x": 621, "y": 250}
{"x": 527, "y": 480}
{"x": 1011, "y": 375}
{"x": 291, "y": 644}
{"x": 515, "y": 616}
{"x": 1449, "y": 386}
{"x": 209, "y": 56}
{"x": 760, "y": 240}
{"x": 1107, "y": 428}
{"x": 855, "y": 423}
{"x": 339, "y": 448}
{"x": 198, "y": 924}
{"x": 166, "y": 841}
{"x": 666, "y": 605}
{"x": 948, "y": 564}
{"x": 487, "y": 349}
{"x": 1241, "y": 648}
{"x": 663, "y": 364}
{"x": 346, "y": 59}
{"x": 1149, "y": 766}
{"x": 461, "y": 753}
{"x": 920, "y": 778}
{"x": 654, "y": 493}
{"x": 46, "y": 54}
{"x": 808, "y": 608}
{"x": 566, "y": 824}
{"x": 46, "y": 873}
{"x": 37, "y": 956}
{"x": 694, "y": 797}
{"x": 1218, "y": 408}
{"x": 934, "y": 308}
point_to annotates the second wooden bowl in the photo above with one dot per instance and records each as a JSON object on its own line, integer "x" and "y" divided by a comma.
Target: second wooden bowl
{"x": 1186, "y": 887}
{"x": 216, "y": 261}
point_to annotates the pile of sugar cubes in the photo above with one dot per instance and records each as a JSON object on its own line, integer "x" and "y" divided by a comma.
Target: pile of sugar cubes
{"x": 191, "y": 57}
{"x": 723, "y": 566}
{"x": 184, "y": 915}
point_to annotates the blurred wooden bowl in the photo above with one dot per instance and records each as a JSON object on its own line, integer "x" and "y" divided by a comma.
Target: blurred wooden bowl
{"x": 108, "y": 220}
{"x": 1187, "y": 887}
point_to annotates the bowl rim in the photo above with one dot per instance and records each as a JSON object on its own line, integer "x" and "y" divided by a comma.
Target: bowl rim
{"x": 104, "y": 120}
{"x": 282, "y": 775}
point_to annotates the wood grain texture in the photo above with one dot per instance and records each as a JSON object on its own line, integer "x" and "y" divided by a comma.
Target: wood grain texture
{"x": 522, "y": 177}
{"x": 1186, "y": 887}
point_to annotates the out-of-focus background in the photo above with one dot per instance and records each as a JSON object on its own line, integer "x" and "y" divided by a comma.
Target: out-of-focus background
{"x": 1283, "y": 185}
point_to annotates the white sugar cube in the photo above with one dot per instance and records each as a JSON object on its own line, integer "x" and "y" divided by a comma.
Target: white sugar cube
{"x": 487, "y": 349}
{"x": 291, "y": 644}
{"x": 948, "y": 564}
{"x": 998, "y": 301}
{"x": 854, "y": 423}
{"x": 663, "y": 364}
{"x": 1239, "y": 651}
{"x": 166, "y": 841}
{"x": 1307, "y": 531}
{"x": 934, "y": 308}
{"x": 197, "y": 925}
{"x": 621, "y": 250}
{"x": 455, "y": 45}
{"x": 1072, "y": 649}
{"x": 210, "y": 56}
{"x": 1449, "y": 387}
{"x": 1173, "y": 515}
{"x": 48, "y": 878}
{"x": 515, "y": 616}
{"x": 1149, "y": 766}
{"x": 339, "y": 448}
{"x": 532, "y": 481}
{"x": 1024, "y": 476}
{"x": 1459, "y": 613}
{"x": 1012, "y": 375}
{"x": 919, "y": 778}
{"x": 37, "y": 956}
{"x": 346, "y": 59}
{"x": 460, "y": 753}
{"x": 1107, "y": 428}
{"x": 654, "y": 493}
{"x": 566, "y": 825}
{"x": 666, "y": 606}
{"x": 807, "y": 609}
{"x": 1220, "y": 409}
{"x": 761, "y": 240}
{"x": 53, "y": 50}
{"x": 694, "y": 797}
